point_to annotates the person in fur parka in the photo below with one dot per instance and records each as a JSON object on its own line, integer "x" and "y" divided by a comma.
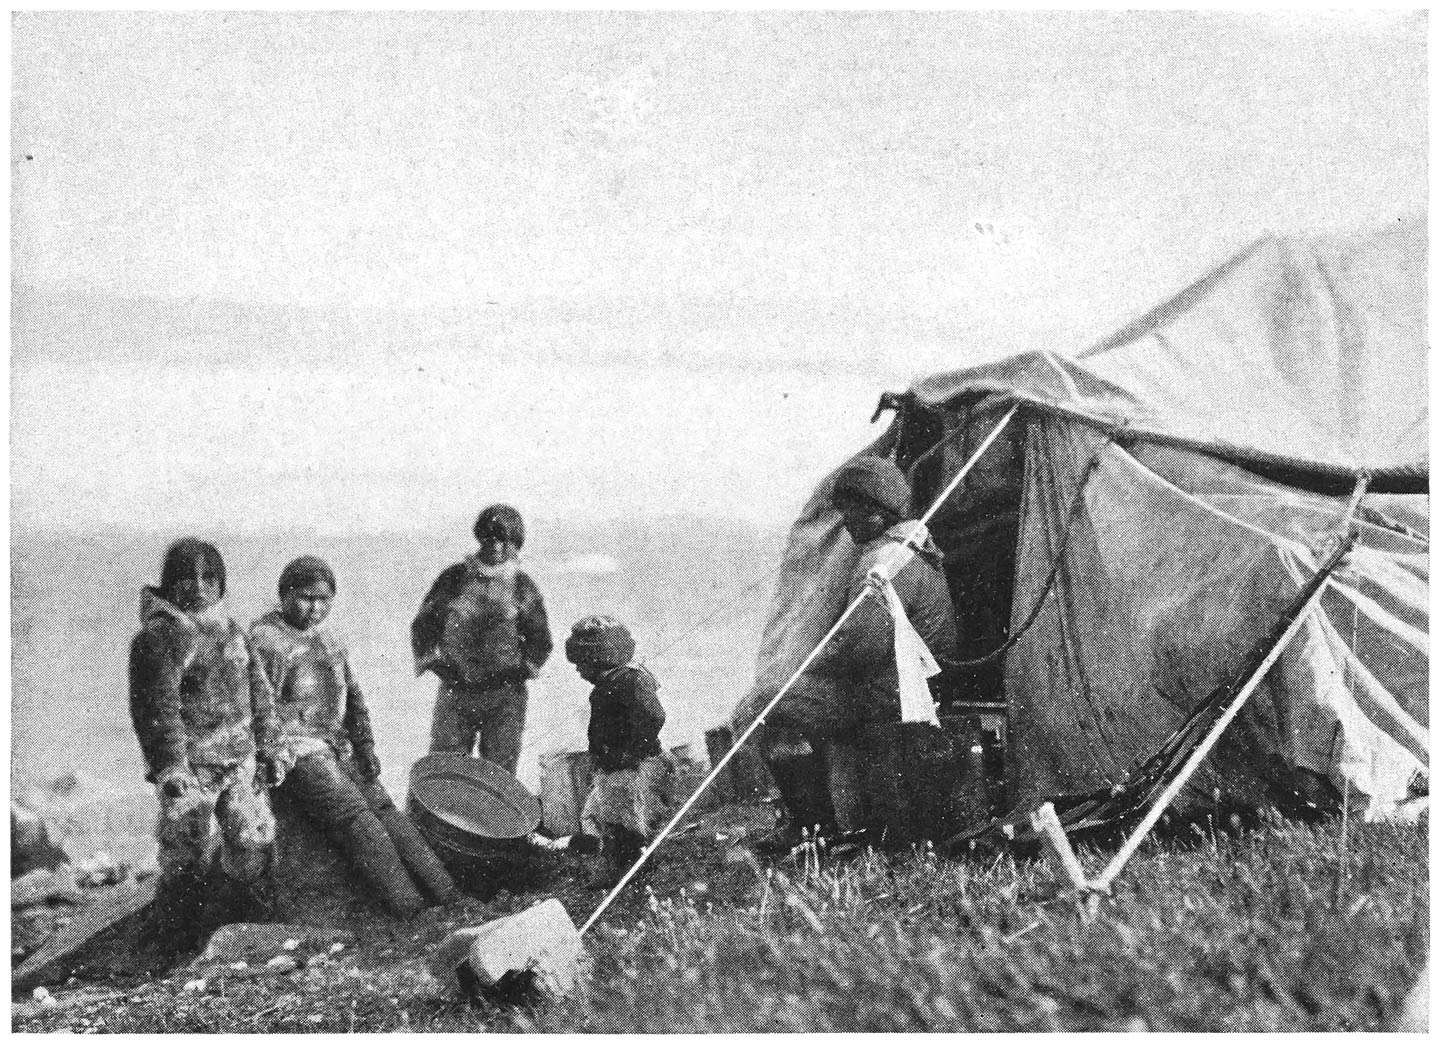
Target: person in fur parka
{"x": 204, "y": 715}
{"x": 482, "y": 629}
{"x": 325, "y": 733}
{"x": 812, "y": 740}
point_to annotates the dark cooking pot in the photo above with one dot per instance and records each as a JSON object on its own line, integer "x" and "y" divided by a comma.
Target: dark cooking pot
{"x": 476, "y": 816}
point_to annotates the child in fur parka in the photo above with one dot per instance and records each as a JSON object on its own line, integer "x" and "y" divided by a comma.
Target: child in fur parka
{"x": 334, "y": 777}
{"x": 204, "y": 714}
{"x": 482, "y": 629}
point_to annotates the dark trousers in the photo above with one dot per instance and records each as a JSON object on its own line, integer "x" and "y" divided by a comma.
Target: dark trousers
{"x": 362, "y": 819}
{"x": 493, "y": 717}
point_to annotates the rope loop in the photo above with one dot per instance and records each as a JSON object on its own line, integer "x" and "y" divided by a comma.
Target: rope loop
{"x": 1045, "y": 588}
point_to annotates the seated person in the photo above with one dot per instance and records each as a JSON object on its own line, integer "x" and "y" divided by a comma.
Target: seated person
{"x": 325, "y": 735}
{"x": 627, "y": 801}
{"x": 812, "y": 738}
{"x": 204, "y": 716}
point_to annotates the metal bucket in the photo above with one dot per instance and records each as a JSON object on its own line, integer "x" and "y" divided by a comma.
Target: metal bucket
{"x": 475, "y": 815}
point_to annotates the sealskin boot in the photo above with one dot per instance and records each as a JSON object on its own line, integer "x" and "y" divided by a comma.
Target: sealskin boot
{"x": 417, "y": 856}
{"x": 622, "y": 849}
{"x": 368, "y": 847}
{"x": 804, "y": 787}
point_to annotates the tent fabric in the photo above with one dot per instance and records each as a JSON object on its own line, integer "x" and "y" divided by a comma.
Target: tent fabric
{"x": 1310, "y": 353}
{"x": 1162, "y": 591}
{"x": 815, "y": 572}
{"x": 1296, "y": 350}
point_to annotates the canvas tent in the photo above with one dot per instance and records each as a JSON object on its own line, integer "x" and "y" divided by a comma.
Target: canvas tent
{"x": 1179, "y": 479}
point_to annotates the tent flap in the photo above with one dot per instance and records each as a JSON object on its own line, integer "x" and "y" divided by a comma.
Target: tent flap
{"x": 1163, "y": 591}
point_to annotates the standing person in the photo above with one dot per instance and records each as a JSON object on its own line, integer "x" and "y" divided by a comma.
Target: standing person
{"x": 812, "y": 739}
{"x": 325, "y": 734}
{"x": 627, "y": 800}
{"x": 482, "y": 630}
{"x": 204, "y": 714}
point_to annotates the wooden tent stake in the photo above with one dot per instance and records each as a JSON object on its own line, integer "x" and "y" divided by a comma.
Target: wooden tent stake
{"x": 1058, "y": 851}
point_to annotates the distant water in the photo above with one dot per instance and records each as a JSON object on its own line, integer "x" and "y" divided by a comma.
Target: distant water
{"x": 74, "y": 608}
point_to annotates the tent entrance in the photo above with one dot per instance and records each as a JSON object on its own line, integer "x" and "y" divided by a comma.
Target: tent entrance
{"x": 977, "y": 530}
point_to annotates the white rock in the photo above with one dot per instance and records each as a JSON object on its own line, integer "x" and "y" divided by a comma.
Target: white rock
{"x": 283, "y": 963}
{"x": 197, "y": 985}
{"x": 336, "y": 948}
{"x": 41, "y": 994}
{"x": 291, "y": 945}
{"x": 542, "y": 939}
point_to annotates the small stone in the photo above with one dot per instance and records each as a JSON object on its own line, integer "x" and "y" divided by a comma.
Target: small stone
{"x": 336, "y": 948}
{"x": 241, "y": 965}
{"x": 282, "y": 964}
{"x": 49, "y": 1002}
{"x": 257, "y": 942}
{"x": 197, "y": 985}
{"x": 315, "y": 1018}
{"x": 41, "y": 994}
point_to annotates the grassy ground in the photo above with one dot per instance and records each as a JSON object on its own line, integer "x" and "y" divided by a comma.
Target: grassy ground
{"x": 1274, "y": 928}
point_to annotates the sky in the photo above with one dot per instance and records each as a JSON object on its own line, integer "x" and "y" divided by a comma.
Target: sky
{"x": 367, "y": 272}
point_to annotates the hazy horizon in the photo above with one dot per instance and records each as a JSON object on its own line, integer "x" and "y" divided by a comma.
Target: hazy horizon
{"x": 367, "y": 271}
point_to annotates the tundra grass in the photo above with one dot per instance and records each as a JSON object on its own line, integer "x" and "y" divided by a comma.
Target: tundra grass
{"x": 1274, "y": 928}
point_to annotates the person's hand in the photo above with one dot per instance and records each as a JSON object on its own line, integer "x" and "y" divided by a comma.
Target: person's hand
{"x": 367, "y": 763}
{"x": 175, "y": 784}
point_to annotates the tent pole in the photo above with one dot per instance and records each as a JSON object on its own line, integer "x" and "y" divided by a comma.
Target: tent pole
{"x": 1127, "y": 850}
{"x": 965, "y": 470}
{"x": 785, "y": 688}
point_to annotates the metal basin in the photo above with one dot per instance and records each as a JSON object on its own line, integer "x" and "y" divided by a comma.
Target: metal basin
{"x": 475, "y": 815}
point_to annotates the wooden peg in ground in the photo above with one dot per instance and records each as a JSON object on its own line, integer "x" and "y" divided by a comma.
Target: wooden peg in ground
{"x": 1066, "y": 866}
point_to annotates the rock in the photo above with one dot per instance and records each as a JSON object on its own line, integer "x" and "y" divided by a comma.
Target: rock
{"x": 114, "y": 905}
{"x": 282, "y": 964}
{"x": 541, "y": 941}
{"x": 83, "y": 814}
{"x": 99, "y": 869}
{"x": 1415, "y": 1015}
{"x": 34, "y": 843}
{"x": 258, "y": 943}
{"x": 41, "y": 886}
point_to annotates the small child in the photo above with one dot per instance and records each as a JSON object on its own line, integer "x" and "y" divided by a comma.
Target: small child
{"x": 204, "y": 714}
{"x": 325, "y": 734}
{"x": 627, "y": 802}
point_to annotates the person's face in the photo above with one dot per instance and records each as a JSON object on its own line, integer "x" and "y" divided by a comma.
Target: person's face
{"x": 496, "y": 549}
{"x": 306, "y": 606}
{"x": 197, "y": 587}
{"x": 863, "y": 519}
{"x": 590, "y": 672}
